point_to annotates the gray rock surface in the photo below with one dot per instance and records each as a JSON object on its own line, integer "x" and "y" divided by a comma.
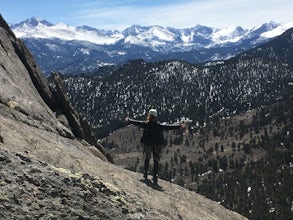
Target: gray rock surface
{"x": 78, "y": 125}
{"x": 17, "y": 90}
{"x": 47, "y": 173}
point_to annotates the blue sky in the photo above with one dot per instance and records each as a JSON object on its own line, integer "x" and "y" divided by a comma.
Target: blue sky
{"x": 117, "y": 15}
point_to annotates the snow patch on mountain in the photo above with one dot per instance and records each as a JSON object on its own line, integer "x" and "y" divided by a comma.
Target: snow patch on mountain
{"x": 277, "y": 31}
{"x": 152, "y": 37}
{"x": 135, "y": 40}
{"x": 226, "y": 36}
{"x": 64, "y": 32}
{"x": 186, "y": 38}
{"x": 160, "y": 33}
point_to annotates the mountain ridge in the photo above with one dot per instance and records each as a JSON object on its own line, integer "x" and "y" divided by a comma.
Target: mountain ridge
{"x": 36, "y": 27}
{"x": 279, "y": 48}
{"x": 89, "y": 48}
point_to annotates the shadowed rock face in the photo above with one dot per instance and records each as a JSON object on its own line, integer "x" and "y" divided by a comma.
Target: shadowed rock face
{"x": 48, "y": 172}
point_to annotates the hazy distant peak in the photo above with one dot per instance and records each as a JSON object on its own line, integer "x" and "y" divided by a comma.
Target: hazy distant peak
{"x": 33, "y": 22}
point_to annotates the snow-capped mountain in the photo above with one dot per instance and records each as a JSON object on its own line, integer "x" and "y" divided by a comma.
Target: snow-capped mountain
{"x": 39, "y": 28}
{"x": 89, "y": 48}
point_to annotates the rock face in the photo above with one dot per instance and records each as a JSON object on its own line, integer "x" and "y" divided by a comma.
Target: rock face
{"x": 78, "y": 125}
{"x": 49, "y": 171}
{"x": 26, "y": 90}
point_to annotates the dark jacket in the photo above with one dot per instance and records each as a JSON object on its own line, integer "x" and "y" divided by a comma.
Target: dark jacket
{"x": 152, "y": 131}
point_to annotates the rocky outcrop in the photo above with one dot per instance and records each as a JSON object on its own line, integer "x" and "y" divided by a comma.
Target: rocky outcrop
{"x": 56, "y": 101}
{"x": 17, "y": 91}
{"x": 1, "y": 138}
{"x": 37, "y": 77}
{"x": 78, "y": 125}
{"x": 80, "y": 130}
{"x": 31, "y": 189}
{"x": 49, "y": 173}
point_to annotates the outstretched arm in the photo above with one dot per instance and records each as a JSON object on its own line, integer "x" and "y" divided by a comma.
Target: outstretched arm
{"x": 172, "y": 126}
{"x": 136, "y": 122}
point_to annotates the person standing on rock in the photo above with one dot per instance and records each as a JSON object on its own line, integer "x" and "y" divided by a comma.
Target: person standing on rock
{"x": 152, "y": 140}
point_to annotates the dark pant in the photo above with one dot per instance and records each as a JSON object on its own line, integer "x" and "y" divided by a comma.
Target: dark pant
{"x": 148, "y": 150}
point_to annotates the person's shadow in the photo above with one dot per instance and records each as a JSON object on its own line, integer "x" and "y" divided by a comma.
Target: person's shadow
{"x": 151, "y": 184}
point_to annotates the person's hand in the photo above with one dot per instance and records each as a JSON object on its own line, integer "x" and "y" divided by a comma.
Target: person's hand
{"x": 127, "y": 120}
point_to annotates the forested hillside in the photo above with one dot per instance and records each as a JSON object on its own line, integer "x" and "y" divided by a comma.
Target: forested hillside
{"x": 177, "y": 89}
{"x": 261, "y": 188}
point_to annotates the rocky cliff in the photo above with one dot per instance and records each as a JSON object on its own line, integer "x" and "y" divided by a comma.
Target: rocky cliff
{"x": 54, "y": 170}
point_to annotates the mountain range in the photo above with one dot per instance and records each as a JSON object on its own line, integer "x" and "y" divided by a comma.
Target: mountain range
{"x": 84, "y": 49}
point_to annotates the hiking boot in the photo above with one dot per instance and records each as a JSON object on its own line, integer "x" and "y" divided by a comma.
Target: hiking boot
{"x": 145, "y": 176}
{"x": 155, "y": 179}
